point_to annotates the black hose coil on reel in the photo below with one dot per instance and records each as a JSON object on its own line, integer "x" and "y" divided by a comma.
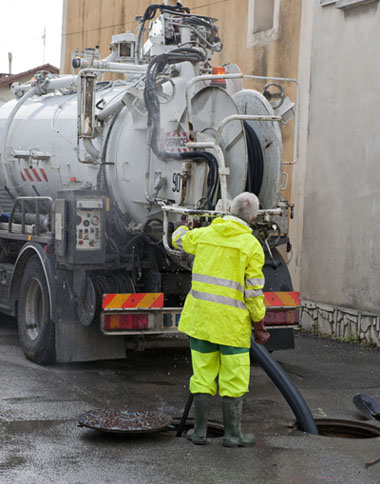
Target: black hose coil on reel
{"x": 255, "y": 161}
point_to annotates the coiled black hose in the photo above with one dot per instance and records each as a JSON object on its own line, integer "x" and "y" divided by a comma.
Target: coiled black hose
{"x": 300, "y": 409}
{"x": 255, "y": 161}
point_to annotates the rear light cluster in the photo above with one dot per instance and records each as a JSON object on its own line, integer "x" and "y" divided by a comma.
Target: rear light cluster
{"x": 280, "y": 316}
{"x": 125, "y": 321}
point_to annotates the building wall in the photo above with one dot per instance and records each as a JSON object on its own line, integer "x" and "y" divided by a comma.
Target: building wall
{"x": 340, "y": 263}
{"x": 271, "y": 52}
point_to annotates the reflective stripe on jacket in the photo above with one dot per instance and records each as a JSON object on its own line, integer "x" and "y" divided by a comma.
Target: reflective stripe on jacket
{"x": 227, "y": 282}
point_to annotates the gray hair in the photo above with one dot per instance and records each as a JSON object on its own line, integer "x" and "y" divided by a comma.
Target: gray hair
{"x": 245, "y": 206}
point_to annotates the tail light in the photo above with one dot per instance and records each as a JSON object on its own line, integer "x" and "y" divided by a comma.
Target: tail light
{"x": 125, "y": 321}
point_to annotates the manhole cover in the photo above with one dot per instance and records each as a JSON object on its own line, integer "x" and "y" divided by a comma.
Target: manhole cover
{"x": 119, "y": 420}
{"x": 346, "y": 429}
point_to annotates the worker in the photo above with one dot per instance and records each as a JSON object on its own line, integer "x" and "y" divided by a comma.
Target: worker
{"x": 226, "y": 298}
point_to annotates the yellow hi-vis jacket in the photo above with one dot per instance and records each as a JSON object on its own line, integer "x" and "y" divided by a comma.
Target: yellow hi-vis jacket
{"x": 227, "y": 282}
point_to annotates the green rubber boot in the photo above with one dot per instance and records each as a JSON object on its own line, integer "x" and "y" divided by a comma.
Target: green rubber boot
{"x": 202, "y": 406}
{"x": 233, "y": 436}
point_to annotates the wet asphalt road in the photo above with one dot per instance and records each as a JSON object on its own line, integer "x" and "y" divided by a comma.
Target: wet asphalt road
{"x": 40, "y": 441}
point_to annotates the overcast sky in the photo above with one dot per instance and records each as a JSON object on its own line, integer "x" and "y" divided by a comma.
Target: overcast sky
{"x": 22, "y": 24}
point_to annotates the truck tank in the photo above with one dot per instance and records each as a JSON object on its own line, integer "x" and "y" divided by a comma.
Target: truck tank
{"x": 43, "y": 156}
{"x": 101, "y": 172}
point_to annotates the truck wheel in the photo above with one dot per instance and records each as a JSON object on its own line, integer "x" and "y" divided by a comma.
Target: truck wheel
{"x": 35, "y": 328}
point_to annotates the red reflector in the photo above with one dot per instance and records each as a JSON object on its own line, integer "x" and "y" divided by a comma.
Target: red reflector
{"x": 218, "y": 71}
{"x": 126, "y": 321}
{"x": 273, "y": 317}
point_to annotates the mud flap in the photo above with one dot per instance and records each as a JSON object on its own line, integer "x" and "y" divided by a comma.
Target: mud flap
{"x": 75, "y": 342}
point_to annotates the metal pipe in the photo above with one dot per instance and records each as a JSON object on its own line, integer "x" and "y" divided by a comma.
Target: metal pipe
{"x": 194, "y": 212}
{"x": 60, "y": 83}
{"x": 223, "y": 170}
{"x": 243, "y": 117}
{"x": 49, "y": 85}
{"x": 165, "y": 233}
{"x": 118, "y": 66}
{"x": 111, "y": 109}
{"x": 90, "y": 148}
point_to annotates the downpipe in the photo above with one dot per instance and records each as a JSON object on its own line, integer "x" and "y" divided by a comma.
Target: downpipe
{"x": 298, "y": 405}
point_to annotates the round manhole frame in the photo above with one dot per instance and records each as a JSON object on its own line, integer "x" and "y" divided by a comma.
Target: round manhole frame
{"x": 346, "y": 429}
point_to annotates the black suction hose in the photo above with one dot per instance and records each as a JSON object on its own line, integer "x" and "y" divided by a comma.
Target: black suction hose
{"x": 300, "y": 409}
{"x": 185, "y": 414}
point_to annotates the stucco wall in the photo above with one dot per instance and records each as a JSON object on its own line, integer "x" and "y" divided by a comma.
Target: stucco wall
{"x": 340, "y": 263}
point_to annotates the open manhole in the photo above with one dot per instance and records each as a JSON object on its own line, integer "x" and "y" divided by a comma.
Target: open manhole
{"x": 346, "y": 429}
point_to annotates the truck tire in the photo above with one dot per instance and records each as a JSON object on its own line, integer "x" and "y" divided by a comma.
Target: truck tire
{"x": 35, "y": 328}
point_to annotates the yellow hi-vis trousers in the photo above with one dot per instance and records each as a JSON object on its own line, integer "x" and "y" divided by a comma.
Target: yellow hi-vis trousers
{"x": 211, "y": 360}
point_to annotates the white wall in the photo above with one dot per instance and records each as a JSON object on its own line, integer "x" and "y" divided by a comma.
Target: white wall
{"x": 340, "y": 263}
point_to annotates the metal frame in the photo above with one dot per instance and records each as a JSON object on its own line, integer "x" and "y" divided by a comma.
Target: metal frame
{"x": 215, "y": 146}
{"x": 198, "y": 213}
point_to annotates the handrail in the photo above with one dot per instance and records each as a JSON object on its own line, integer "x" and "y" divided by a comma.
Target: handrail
{"x": 21, "y": 201}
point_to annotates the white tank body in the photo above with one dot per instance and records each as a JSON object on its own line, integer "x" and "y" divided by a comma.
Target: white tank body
{"x": 48, "y": 125}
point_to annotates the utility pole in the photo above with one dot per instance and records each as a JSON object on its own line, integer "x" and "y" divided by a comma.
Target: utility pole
{"x": 10, "y": 62}
{"x": 44, "y": 44}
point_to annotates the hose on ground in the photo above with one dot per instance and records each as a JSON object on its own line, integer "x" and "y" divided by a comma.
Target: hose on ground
{"x": 300, "y": 409}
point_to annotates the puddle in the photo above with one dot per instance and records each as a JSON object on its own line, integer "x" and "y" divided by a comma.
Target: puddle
{"x": 29, "y": 426}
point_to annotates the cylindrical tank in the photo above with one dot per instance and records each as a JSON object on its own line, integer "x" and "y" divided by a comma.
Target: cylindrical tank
{"x": 42, "y": 150}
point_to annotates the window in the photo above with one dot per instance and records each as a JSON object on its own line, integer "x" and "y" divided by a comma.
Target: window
{"x": 263, "y": 15}
{"x": 263, "y": 20}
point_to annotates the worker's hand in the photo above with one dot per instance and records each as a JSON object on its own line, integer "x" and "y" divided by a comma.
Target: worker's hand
{"x": 261, "y": 333}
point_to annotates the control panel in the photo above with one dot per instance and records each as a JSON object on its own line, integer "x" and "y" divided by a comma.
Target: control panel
{"x": 79, "y": 224}
{"x": 88, "y": 224}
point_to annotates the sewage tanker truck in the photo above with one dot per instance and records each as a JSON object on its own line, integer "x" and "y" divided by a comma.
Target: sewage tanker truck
{"x": 96, "y": 174}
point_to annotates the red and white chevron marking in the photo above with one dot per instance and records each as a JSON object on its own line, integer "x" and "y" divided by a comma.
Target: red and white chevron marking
{"x": 34, "y": 175}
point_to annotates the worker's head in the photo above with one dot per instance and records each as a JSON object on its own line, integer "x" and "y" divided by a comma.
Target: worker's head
{"x": 245, "y": 206}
